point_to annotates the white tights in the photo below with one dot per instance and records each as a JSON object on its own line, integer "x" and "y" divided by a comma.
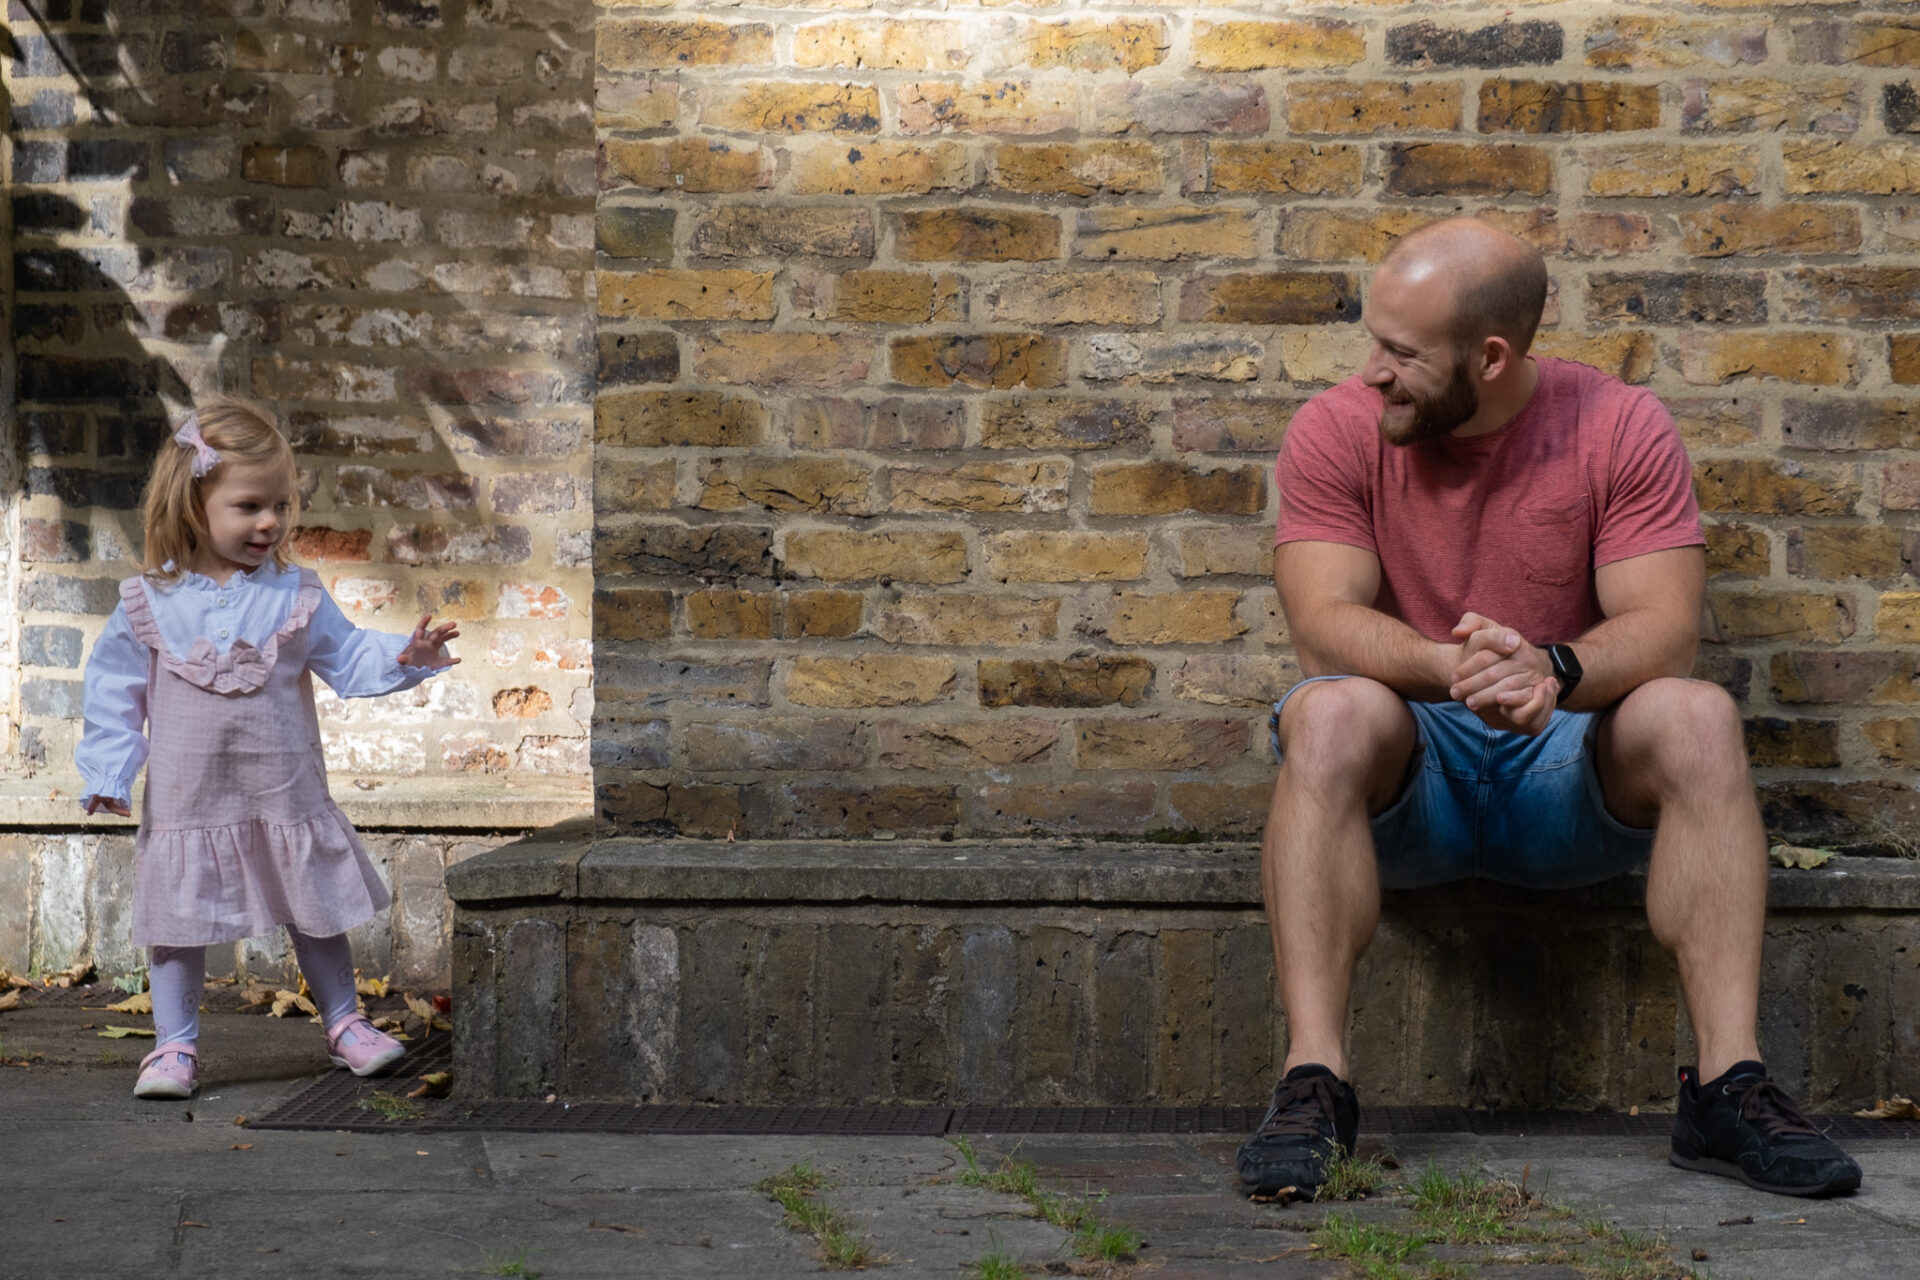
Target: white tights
{"x": 179, "y": 975}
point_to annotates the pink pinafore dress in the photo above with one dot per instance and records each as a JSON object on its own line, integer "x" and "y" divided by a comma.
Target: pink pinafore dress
{"x": 238, "y": 833}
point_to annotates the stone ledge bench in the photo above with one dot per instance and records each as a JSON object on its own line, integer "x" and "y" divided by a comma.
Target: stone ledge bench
{"x": 1077, "y": 973}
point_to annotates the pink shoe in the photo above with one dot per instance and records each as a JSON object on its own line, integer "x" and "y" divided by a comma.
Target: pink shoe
{"x": 171, "y": 1071}
{"x": 356, "y": 1044}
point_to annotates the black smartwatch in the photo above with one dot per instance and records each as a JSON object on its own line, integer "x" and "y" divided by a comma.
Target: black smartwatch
{"x": 1566, "y": 668}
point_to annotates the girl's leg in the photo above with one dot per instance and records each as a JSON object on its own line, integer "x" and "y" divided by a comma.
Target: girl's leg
{"x": 352, "y": 1041}
{"x": 327, "y": 965}
{"x": 178, "y": 979}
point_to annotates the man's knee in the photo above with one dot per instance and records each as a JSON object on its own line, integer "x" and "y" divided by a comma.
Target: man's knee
{"x": 1680, "y": 734}
{"x": 1352, "y": 727}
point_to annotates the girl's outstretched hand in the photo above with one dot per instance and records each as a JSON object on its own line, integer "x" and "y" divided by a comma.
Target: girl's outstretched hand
{"x": 428, "y": 648}
{"x": 104, "y": 802}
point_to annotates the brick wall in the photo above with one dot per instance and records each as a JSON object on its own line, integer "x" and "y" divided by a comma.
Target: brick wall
{"x": 376, "y": 214}
{"x": 944, "y": 354}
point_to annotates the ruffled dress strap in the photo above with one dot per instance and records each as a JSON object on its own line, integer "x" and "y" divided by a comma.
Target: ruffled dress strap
{"x": 244, "y": 668}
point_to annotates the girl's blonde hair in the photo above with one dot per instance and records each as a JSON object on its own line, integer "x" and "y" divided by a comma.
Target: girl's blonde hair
{"x": 242, "y": 432}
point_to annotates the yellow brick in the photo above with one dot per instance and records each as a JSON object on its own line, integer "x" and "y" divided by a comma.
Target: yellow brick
{"x": 976, "y": 235}
{"x": 654, "y": 419}
{"x": 967, "y": 620}
{"x": 1841, "y": 551}
{"x": 1278, "y": 168}
{"x": 882, "y": 44}
{"x": 897, "y": 297}
{"x": 1332, "y": 235}
{"x": 1372, "y": 107}
{"x": 637, "y": 104}
{"x": 1820, "y": 167}
{"x": 1820, "y": 359}
{"x": 1076, "y": 169}
{"x": 872, "y": 680}
{"x": 1164, "y": 235}
{"x": 1581, "y": 235}
{"x": 798, "y": 483}
{"x": 1082, "y": 44}
{"x": 1325, "y": 353}
{"x": 1647, "y": 43}
{"x": 1738, "y": 549}
{"x": 995, "y": 360}
{"x": 1627, "y": 356}
{"x": 1064, "y": 556}
{"x": 1076, "y": 297}
{"x": 1254, "y": 46}
{"x": 687, "y": 295}
{"x": 880, "y": 168}
{"x": 1726, "y": 229}
{"x": 1206, "y": 550}
{"x": 787, "y": 106}
{"x": 997, "y": 106}
{"x": 1163, "y": 487}
{"x": 634, "y": 45}
{"x": 1744, "y": 615}
{"x": 1159, "y": 744}
{"x": 690, "y": 165}
{"x": 1018, "y": 487}
{"x": 1896, "y": 742}
{"x": 1185, "y": 617}
{"x": 850, "y": 555}
{"x": 1594, "y": 106}
{"x": 1771, "y": 106}
{"x": 1775, "y": 487}
{"x": 1897, "y": 618}
{"x": 1656, "y": 169}
{"x": 1467, "y": 169}
{"x": 784, "y": 359}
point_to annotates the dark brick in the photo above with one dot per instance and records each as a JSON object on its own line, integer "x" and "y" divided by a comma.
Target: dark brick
{"x": 857, "y": 812}
{"x": 57, "y": 699}
{"x": 1509, "y": 44}
{"x": 418, "y": 15}
{"x": 51, "y": 646}
{"x": 53, "y": 432}
{"x": 49, "y": 323}
{"x": 39, "y": 162}
{"x": 1846, "y": 423}
{"x": 54, "y": 593}
{"x": 1065, "y": 682}
{"x": 45, "y": 212}
{"x": 86, "y": 487}
{"x": 1122, "y": 1020}
{"x": 987, "y": 993}
{"x": 1467, "y": 169}
{"x": 1901, "y": 104}
{"x": 638, "y": 357}
{"x": 54, "y": 541}
{"x": 133, "y": 434}
{"x": 107, "y": 158}
{"x": 1865, "y": 677}
{"x": 185, "y": 52}
{"x": 1272, "y": 297}
{"x": 1773, "y": 741}
{"x": 720, "y": 551}
{"x": 1866, "y": 295}
{"x": 628, "y": 742}
{"x": 1676, "y": 297}
{"x": 61, "y": 378}
{"x": 1728, "y": 670}
{"x": 73, "y": 271}
{"x": 155, "y": 217}
{"x": 626, "y": 232}
{"x": 46, "y": 109}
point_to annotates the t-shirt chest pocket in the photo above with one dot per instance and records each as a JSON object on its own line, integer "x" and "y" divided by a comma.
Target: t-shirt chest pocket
{"x": 1556, "y": 541}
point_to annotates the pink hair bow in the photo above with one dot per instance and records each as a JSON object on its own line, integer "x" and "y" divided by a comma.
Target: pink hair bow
{"x": 205, "y": 456}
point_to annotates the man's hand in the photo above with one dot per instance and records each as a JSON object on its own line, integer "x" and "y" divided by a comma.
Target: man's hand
{"x": 109, "y": 803}
{"x": 1501, "y": 678}
{"x": 429, "y": 648}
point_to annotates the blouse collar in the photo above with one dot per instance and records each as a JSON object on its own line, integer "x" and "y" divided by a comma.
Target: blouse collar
{"x": 247, "y": 577}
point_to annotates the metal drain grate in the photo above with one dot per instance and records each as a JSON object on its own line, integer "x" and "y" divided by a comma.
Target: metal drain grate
{"x": 334, "y": 1103}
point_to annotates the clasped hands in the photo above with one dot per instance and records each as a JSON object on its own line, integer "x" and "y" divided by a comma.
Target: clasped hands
{"x": 1501, "y": 678}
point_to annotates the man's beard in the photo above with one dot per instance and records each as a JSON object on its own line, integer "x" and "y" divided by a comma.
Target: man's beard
{"x": 1438, "y": 414}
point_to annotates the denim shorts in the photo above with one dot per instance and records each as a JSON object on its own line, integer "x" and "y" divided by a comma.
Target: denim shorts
{"x": 1478, "y": 802}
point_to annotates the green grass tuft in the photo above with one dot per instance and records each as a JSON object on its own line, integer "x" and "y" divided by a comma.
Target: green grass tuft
{"x": 1351, "y": 1178}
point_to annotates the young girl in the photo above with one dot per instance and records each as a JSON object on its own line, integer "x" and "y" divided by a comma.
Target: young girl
{"x": 212, "y": 654}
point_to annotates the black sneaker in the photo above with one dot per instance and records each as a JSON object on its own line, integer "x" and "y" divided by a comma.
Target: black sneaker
{"x": 1744, "y": 1126}
{"x": 1313, "y": 1112}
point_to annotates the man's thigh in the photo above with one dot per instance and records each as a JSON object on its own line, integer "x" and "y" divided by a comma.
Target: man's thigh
{"x": 1641, "y": 735}
{"x": 1366, "y": 724}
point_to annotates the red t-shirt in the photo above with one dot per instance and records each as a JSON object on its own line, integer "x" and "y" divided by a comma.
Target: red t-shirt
{"x": 1510, "y": 524}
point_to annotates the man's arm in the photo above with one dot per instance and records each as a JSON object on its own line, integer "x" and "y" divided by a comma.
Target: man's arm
{"x": 1652, "y": 604}
{"x": 1327, "y": 590}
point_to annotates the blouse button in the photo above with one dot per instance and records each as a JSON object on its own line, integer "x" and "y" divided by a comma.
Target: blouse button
{"x": 222, "y": 602}
{"x": 223, "y": 633}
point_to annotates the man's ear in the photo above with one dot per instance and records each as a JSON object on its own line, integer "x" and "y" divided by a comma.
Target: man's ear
{"x": 1496, "y": 357}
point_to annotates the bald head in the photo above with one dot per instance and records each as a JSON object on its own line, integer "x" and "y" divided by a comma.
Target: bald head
{"x": 1497, "y": 281}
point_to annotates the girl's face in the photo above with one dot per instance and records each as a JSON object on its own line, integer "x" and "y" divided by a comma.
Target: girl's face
{"x": 249, "y": 509}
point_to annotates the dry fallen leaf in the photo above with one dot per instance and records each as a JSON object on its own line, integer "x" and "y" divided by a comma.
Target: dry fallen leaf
{"x": 241, "y": 1121}
{"x": 8, "y": 978}
{"x": 67, "y": 977}
{"x": 423, "y": 1010}
{"x": 256, "y": 993}
{"x": 1799, "y": 856}
{"x": 285, "y": 1002}
{"x": 437, "y": 1083}
{"x": 1895, "y": 1108}
{"x": 241, "y": 1146}
{"x": 371, "y": 986}
{"x": 142, "y": 1003}
{"x": 9, "y": 1000}
{"x": 121, "y": 1033}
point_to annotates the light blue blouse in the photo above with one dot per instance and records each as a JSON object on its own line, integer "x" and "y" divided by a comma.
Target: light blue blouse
{"x": 355, "y": 663}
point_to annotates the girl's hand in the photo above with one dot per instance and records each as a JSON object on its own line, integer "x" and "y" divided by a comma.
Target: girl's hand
{"x": 114, "y": 806}
{"x": 429, "y": 648}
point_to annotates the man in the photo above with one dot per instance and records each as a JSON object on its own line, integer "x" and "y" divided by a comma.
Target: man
{"x": 1493, "y": 570}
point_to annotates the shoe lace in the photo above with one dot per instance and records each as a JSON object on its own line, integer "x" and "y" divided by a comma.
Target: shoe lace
{"x": 1300, "y": 1108}
{"x": 1767, "y": 1105}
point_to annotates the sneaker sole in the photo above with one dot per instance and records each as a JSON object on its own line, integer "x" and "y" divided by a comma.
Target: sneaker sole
{"x": 171, "y": 1090}
{"x": 1727, "y": 1169}
{"x": 367, "y": 1069}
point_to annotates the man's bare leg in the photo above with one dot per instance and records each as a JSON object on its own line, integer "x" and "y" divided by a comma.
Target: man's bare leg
{"x": 1672, "y": 756}
{"x": 1347, "y": 744}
